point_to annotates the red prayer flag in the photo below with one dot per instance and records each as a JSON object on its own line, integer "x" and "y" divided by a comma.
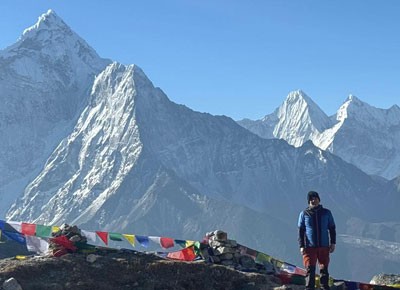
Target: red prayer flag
{"x": 28, "y": 229}
{"x": 64, "y": 242}
{"x": 167, "y": 243}
{"x": 103, "y": 236}
{"x": 186, "y": 254}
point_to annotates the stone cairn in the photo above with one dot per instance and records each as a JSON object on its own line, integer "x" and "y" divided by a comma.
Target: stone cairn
{"x": 221, "y": 250}
{"x": 386, "y": 279}
{"x": 65, "y": 239}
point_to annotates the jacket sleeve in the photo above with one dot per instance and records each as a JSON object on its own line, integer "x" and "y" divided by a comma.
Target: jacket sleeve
{"x": 302, "y": 230}
{"x": 332, "y": 229}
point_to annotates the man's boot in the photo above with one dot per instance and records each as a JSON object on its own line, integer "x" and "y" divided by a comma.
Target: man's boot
{"x": 310, "y": 278}
{"x": 324, "y": 279}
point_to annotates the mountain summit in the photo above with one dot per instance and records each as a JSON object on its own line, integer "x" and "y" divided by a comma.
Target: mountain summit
{"x": 299, "y": 113}
{"x": 51, "y": 41}
{"x": 359, "y": 133}
{"x": 297, "y": 120}
{"x": 45, "y": 78}
{"x": 48, "y": 21}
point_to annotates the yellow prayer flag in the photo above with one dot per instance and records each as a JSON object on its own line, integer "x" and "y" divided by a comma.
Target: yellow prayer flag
{"x": 278, "y": 263}
{"x": 189, "y": 243}
{"x": 55, "y": 229}
{"x": 130, "y": 239}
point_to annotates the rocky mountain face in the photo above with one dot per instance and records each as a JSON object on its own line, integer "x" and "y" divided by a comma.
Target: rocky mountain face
{"x": 44, "y": 82}
{"x": 133, "y": 161}
{"x": 360, "y": 134}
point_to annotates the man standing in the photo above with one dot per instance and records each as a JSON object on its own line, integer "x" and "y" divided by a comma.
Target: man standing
{"x": 317, "y": 238}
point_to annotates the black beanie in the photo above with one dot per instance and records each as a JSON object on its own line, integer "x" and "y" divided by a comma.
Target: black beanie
{"x": 312, "y": 194}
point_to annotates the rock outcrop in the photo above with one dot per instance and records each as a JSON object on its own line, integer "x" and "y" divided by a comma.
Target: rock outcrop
{"x": 122, "y": 269}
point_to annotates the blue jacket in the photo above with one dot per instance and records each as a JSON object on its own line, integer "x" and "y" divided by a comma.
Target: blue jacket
{"x": 316, "y": 228}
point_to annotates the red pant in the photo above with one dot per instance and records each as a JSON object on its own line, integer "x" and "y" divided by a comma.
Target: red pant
{"x": 312, "y": 255}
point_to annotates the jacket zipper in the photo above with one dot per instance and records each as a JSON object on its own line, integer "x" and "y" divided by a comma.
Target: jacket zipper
{"x": 317, "y": 229}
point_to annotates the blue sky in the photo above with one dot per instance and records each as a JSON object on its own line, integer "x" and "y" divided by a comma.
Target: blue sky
{"x": 239, "y": 58}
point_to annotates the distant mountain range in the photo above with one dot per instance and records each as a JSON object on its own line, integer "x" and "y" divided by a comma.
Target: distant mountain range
{"x": 96, "y": 144}
{"x": 360, "y": 134}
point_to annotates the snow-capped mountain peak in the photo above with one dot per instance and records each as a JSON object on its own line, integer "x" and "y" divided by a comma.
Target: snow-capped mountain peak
{"x": 51, "y": 38}
{"x": 358, "y": 110}
{"x": 300, "y": 112}
{"x": 341, "y": 114}
{"x": 304, "y": 108}
{"x": 47, "y": 21}
{"x": 354, "y": 108}
{"x": 45, "y": 81}
{"x": 359, "y": 133}
{"x": 298, "y": 95}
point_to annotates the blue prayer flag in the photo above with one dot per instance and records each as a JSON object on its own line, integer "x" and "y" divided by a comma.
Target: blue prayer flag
{"x": 20, "y": 238}
{"x": 144, "y": 241}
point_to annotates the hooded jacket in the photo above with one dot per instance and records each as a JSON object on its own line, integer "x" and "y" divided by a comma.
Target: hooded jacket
{"x": 316, "y": 228}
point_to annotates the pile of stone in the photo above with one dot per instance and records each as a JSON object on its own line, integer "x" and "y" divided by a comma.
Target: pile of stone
{"x": 65, "y": 240}
{"x": 386, "y": 279}
{"x": 224, "y": 251}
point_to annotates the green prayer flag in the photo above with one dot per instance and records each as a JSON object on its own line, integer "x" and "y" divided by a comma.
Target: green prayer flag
{"x": 197, "y": 245}
{"x": 43, "y": 231}
{"x": 115, "y": 237}
{"x": 181, "y": 243}
{"x": 262, "y": 258}
{"x": 196, "y": 248}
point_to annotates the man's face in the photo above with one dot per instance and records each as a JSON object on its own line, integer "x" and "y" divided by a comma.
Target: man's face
{"x": 314, "y": 201}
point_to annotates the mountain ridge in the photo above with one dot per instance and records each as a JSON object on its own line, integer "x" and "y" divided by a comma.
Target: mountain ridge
{"x": 351, "y": 133}
{"x": 44, "y": 86}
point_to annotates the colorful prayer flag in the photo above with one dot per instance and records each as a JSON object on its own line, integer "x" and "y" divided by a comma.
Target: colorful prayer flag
{"x": 130, "y": 239}
{"x": 15, "y": 225}
{"x": 277, "y": 263}
{"x": 90, "y": 236}
{"x": 103, "y": 236}
{"x": 166, "y": 242}
{"x": 186, "y": 254}
{"x": 300, "y": 271}
{"x": 15, "y": 236}
{"x": 155, "y": 240}
{"x": 28, "y": 229}
{"x": 197, "y": 246}
{"x": 64, "y": 242}
{"x": 262, "y": 258}
{"x": 115, "y": 237}
{"x": 288, "y": 268}
{"x": 144, "y": 241}
{"x": 36, "y": 244}
{"x": 181, "y": 243}
{"x": 189, "y": 243}
{"x": 43, "y": 231}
